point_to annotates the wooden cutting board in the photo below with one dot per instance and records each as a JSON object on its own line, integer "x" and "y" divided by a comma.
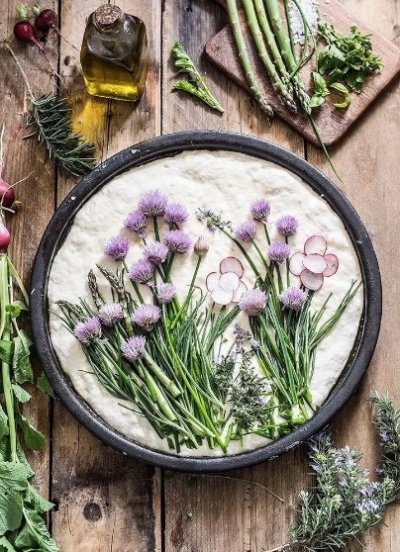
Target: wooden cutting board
{"x": 332, "y": 122}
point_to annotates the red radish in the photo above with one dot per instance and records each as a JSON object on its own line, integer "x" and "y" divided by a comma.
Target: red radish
{"x": 7, "y": 194}
{"x": 4, "y": 238}
{"x": 231, "y": 264}
{"x": 311, "y": 281}
{"x": 24, "y": 32}
{"x": 316, "y": 263}
{"x": 333, "y": 265}
{"x": 221, "y": 296}
{"x": 315, "y": 244}
{"x": 296, "y": 266}
{"x": 239, "y": 292}
{"x": 229, "y": 281}
{"x": 46, "y": 20}
{"x": 212, "y": 280}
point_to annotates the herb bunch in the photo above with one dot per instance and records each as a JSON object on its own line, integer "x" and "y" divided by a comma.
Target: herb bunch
{"x": 344, "y": 503}
{"x": 167, "y": 353}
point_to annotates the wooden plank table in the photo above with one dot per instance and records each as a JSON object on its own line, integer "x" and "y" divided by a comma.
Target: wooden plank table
{"x": 105, "y": 501}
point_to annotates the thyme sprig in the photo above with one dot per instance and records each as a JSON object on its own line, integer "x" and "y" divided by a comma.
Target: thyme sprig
{"x": 344, "y": 503}
{"x": 48, "y": 115}
{"x": 196, "y": 85}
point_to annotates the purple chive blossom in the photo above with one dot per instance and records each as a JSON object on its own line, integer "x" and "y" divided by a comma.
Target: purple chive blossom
{"x": 153, "y": 203}
{"x": 165, "y": 293}
{"x": 287, "y": 225}
{"x": 176, "y": 214}
{"x": 177, "y": 241}
{"x": 155, "y": 252}
{"x": 252, "y": 302}
{"x": 278, "y": 252}
{"x": 117, "y": 248}
{"x": 88, "y": 330}
{"x": 110, "y": 314}
{"x": 246, "y": 231}
{"x": 260, "y": 210}
{"x": 146, "y": 316}
{"x": 142, "y": 271}
{"x": 133, "y": 348}
{"x": 293, "y": 298}
{"x": 136, "y": 222}
{"x": 201, "y": 247}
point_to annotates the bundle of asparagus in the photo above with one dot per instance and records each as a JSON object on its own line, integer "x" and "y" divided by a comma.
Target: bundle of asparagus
{"x": 276, "y": 50}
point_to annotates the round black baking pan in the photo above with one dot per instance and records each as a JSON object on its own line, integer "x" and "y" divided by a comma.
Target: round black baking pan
{"x": 170, "y": 145}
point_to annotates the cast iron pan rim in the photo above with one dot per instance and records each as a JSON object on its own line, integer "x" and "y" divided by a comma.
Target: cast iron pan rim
{"x": 169, "y": 145}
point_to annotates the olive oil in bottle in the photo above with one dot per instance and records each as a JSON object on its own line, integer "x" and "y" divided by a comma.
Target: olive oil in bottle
{"x": 114, "y": 54}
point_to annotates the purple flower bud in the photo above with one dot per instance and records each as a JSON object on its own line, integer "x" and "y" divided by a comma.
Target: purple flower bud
{"x": 133, "y": 348}
{"x": 287, "y": 225}
{"x": 153, "y": 203}
{"x": 110, "y": 314}
{"x": 146, "y": 316}
{"x": 260, "y": 210}
{"x": 165, "y": 293}
{"x": 278, "y": 252}
{"x": 246, "y": 231}
{"x": 293, "y": 298}
{"x": 88, "y": 330}
{"x": 142, "y": 271}
{"x": 176, "y": 214}
{"x": 117, "y": 248}
{"x": 253, "y": 302}
{"x": 155, "y": 252}
{"x": 136, "y": 222}
{"x": 201, "y": 247}
{"x": 177, "y": 241}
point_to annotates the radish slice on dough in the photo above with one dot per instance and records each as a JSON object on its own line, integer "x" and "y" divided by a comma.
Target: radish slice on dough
{"x": 229, "y": 281}
{"x": 311, "y": 281}
{"x": 212, "y": 281}
{"x": 315, "y": 263}
{"x": 231, "y": 264}
{"x": 239, "y": 292}
{"x": 315, "y": 244}
{"x": 333, "y": 264}
{"x": 296, "y": 266}
{"x": 222, "y": 296}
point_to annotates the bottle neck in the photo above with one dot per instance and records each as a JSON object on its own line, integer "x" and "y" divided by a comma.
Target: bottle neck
{"x": 108, "y": 18}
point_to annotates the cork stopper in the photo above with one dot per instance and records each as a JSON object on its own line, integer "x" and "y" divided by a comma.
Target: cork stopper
{"x": 107, "y": 16}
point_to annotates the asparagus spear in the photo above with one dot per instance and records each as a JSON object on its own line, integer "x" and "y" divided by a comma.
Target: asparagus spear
{"x": 244, "y": 58}
{"x": 286, "y": 51}
{"x": 276, "y": 81}
{"x": 270, "y": 38}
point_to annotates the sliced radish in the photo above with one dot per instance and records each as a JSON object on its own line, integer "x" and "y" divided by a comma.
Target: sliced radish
{"x": 231, "y": 264}
{"x": 296, "y": 266}
{"x": 315, "y": 244}
{"x": 222, "y": 296}
{"x": 239, "y": 292}
{"x": 315, "y": 263}
{"x": 212, "y": 280}
{"x": 229, "y": 281}
{"x": 311, "y": 281}
{"x": 333, "y": 264}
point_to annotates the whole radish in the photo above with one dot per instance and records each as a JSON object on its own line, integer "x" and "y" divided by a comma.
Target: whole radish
{"x": 7, "y": 193}
{"x": 46, "y": 20}
{"x": 5, "y": 238}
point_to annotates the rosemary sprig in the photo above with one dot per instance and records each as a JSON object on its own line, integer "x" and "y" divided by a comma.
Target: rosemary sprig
{"x": 196, "y": 86}
{"x": 53, "y": 128}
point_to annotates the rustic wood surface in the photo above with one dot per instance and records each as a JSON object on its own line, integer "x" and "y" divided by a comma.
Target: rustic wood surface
{"x": 105, "y": 501}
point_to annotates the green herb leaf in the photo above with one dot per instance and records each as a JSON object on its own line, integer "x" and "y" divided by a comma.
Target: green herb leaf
{"x": 21, "y": 360}
{"x": 320, "y": 84}
{"x": 339, "y": 87}
{"x": 35, "y": 535}
{"x": 6, "y": 546}
{"x": 3, "y": 423}
{"x": 13, "y": 480}
{"x": 6, "y": 351}
{"x": 316, "y": 100}
{"x": 34, "y": 439}
{"x": 44, "y": 386}
{"x": 36, "y": 501}
{"x": 20, "y": 393}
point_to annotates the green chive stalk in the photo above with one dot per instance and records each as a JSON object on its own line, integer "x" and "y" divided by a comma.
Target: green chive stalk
{"x": 244, "y": 58}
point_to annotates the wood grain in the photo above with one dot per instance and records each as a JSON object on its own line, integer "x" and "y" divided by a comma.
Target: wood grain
{"x": 332, "y": 123}
{"x": 106, "y": 502}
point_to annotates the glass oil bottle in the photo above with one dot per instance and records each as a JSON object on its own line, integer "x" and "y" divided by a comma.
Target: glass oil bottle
{"x": 114, "y": 54}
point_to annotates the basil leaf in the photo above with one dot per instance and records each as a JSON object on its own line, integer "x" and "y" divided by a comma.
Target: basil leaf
{"x": 34, "y": 439}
